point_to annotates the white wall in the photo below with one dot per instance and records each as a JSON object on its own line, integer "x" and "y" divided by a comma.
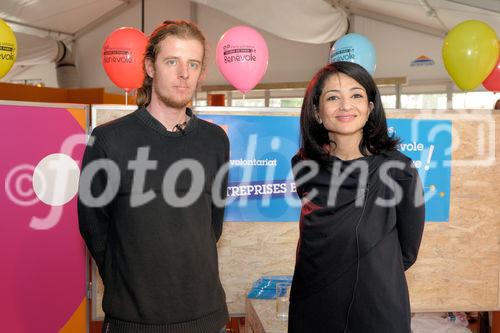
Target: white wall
{"x": 397, "y": 47}
{"x": 45, "y": 72}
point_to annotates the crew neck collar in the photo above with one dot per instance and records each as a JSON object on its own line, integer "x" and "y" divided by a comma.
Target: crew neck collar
{"x": 146, "y": 117}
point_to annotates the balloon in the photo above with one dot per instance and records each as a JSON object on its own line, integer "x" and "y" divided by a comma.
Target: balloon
{"x": 492, "y": 82}
{"x": 122, "y": 57}
{"x": 8, "y": 48}
{"x": 242, "y": 57}
{"x": 355, "y": 48}
{"x": 470, "y": 51}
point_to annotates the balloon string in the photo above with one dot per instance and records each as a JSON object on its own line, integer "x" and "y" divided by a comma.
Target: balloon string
{"x": 243, "y": 99}
{"x": 126, "y": 98}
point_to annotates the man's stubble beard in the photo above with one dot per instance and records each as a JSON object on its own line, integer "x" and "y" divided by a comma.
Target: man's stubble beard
{"x": 171, "y": 102}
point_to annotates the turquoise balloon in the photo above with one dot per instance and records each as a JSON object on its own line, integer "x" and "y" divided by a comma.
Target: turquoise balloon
{"x": 355, "y": 48}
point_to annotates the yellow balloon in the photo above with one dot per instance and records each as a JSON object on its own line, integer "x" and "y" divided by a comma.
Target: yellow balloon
{"x": 470, "y": 51}
{"x": 8, "y": 48}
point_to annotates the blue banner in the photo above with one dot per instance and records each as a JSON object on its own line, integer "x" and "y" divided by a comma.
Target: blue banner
{"x": 428, "y": 144}
{"x": 261, "y": 187}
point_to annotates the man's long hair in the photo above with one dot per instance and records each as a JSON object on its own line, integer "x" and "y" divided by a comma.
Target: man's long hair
{"x": 179, "y": 29}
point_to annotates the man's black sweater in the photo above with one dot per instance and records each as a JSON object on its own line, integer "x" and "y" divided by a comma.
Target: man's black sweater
{"x": 158, "y": 261}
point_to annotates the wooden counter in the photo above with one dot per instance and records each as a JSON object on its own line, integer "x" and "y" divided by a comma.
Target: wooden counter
{"x": 261, "y": 317}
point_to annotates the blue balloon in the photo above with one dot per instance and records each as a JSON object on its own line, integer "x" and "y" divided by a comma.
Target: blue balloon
{"x": 355, "y": 48}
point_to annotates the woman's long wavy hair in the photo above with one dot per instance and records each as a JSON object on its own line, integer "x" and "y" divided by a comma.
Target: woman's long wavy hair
{"x": 314, "y": 135}
{"x": 180, "y": 29}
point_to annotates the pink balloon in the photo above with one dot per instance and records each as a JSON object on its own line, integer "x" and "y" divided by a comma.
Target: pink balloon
{"x": 492, "y": 82}
{"x": 242, "y": 57}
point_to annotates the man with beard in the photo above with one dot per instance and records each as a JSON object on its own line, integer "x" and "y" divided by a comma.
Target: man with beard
{"x": 154, "y": 239}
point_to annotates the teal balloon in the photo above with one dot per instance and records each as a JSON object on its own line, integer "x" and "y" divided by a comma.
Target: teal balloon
{"x": 355, "y": 48}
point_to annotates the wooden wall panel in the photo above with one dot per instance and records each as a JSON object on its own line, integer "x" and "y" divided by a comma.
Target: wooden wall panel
{"x": 459, "y": 263}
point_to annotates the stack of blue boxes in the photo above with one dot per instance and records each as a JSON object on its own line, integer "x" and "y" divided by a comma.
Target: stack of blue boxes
{"x": 265, "y": 287}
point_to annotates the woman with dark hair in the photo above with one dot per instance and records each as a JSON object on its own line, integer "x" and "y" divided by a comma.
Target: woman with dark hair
{"x": 362, "y": 212}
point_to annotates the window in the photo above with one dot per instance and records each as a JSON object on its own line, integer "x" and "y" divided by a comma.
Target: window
{"x": 201, "y": 102}
{"x": 255, "y": 102}
{"x": 475, "y": 100}
{"x": 389, "y": 101}
{"x": 285, "y": 102}
{"x": 423, "y": 101}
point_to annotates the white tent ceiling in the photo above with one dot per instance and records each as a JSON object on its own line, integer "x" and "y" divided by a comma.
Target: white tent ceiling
{"x": 436, "y": 17}
{"x": 66, "y": 19}
{"x": 39, "y": 24}
{"x": 59, "y": 19}
{"x": 313, "y": 21}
